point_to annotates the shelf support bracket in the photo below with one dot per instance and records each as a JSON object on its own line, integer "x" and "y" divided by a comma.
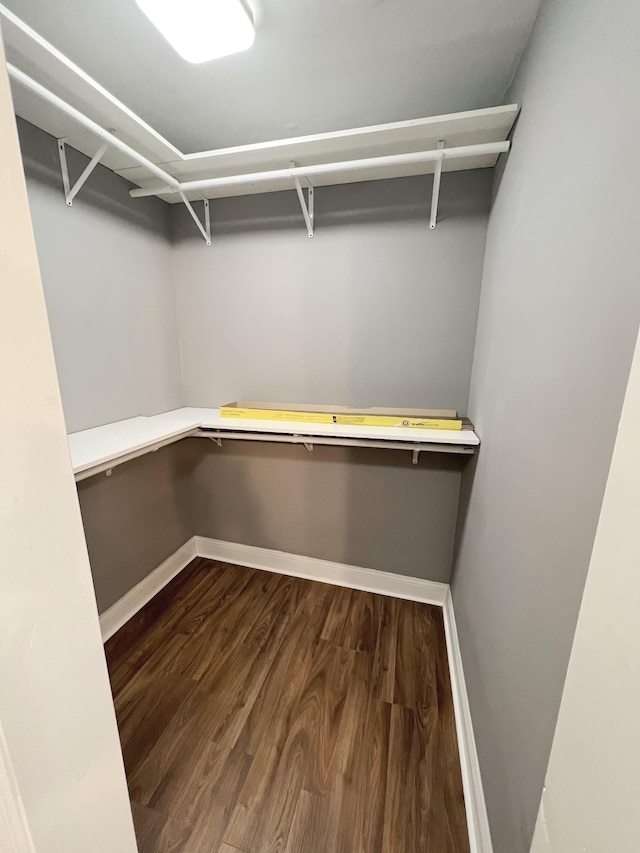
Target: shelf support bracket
{"x": 307, "y": 204}
{"x": 218, "y": 441}
{"x": 415, "y": 456}
{"x": 299, "y": 439}
{"x": 205, "y": 229}
{"x": 435, "y": 195}
{"x": 70, "y": 192}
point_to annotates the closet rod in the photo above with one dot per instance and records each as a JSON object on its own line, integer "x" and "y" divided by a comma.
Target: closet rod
{"x": 92, "y": 126}
{"x": 331, "y": 441}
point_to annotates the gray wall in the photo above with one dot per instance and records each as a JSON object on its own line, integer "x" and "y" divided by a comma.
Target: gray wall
{"x": 363, "y": 507}
{"x": 370, "y": 508}
{"x": 558, "y": 320}
{"x": 105, "y": 267}
{"x": 376, "y": 309}
{"x": 136, "y": 518}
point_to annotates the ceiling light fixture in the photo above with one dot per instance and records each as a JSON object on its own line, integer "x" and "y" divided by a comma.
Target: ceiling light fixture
{"x": 201, "y": 30}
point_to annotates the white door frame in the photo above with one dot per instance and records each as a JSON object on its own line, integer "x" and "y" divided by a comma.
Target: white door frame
{"x": 62, "y": 780}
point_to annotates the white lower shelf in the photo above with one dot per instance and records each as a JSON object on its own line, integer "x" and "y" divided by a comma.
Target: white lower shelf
{"x": 104, "y": 447}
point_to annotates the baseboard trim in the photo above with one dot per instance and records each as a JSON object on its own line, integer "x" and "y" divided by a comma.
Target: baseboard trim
{"x": 311, "y": 568}
{"x": 340, "y": 574}
{"x": 118, "y": 614}
{"x": 477, "y": 818}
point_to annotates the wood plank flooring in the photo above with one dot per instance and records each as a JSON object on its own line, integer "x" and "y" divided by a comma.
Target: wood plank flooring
{"x": 260, "y": 713}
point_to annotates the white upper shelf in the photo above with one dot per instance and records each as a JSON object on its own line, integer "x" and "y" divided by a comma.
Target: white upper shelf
{"x": 405, "y": 137}
{"x": 32, "y": 55}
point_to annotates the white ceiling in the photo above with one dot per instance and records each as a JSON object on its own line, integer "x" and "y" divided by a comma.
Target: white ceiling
{"x": 316, "y": 65}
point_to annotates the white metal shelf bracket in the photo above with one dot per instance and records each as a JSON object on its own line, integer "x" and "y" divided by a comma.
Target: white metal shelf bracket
{"x": 205, "y": 229}
{"x": 306, "y": 205}
{"x": 435, "y": 195}
{"x": 70, "y": 192}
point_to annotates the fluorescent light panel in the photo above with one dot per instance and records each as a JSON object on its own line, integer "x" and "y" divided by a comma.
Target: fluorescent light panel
{"x": 201, "y": 30}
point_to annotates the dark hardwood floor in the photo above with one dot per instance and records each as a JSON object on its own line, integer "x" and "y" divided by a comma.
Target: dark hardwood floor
{"x": 260, "y": 713}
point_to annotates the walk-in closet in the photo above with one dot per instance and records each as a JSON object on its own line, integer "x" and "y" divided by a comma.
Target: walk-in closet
{"x": 317, "y": 492}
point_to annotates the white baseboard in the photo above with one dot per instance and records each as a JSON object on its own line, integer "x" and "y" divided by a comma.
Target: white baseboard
{"x": 311, "y": 568}
{"x": 477, "y": 819}
{"x": 340, "y": 574}
{"x": 126, "y": 607}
